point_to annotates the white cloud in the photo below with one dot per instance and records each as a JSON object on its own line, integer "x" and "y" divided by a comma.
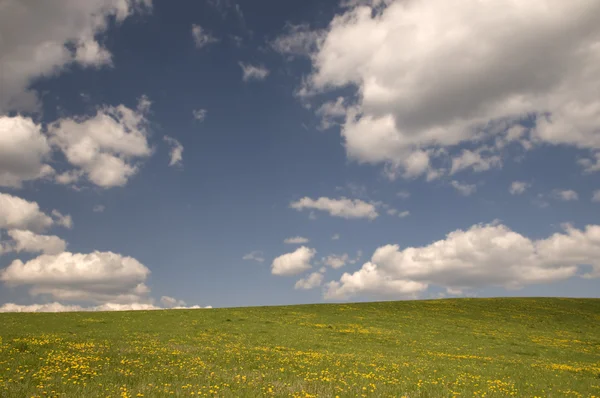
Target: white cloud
{"x": 395, "y": 212}
{"x": 35, "y": 36}
{"x": 255, "y": 256}
{"x": 199, "y": 114}
{"x": 336, "y": 261}
{"x": 28, "y": 241}
{"x": 64, "y": 220}
{"x": 369, "y": 280}
{"x": 474, "y": 160}
{"x": 252, "y": 72}
{"x": 464, "y": 189}
{"x": 296, "y": 240}
{"x": 91, "y": 54}
{"x": 454, "y": 292}
{"x": 105, "y": 147}
{"x": 144, "y": 104}
{"x": 101, "y": 277}
{"x": 332, "y": 113}
{"x": 191, "y": 307}
{"x": 335, "y": 237}
{"x": 590, "y": 165}
{"x": 484, "y": 255}
{"x": 416, "y": 164}
{"x": 50, "y": 307}
{"x": 58, "y": 307}
{"x": 170, "y": 302}
{"x": 343, "y": 207}
{"x": 468, "y": 72}
{"x": 296, "y": 40}
{"x": 596, "y": 196}
{"x": 566, "y": 195}
{"x": 17, "y": 213}
{"x": 176, "y": 151}
{"x": 98, "y": 208}
{"x": 518, "y": 187}
{"x": 403, "y": 194}
{"x": 123, "y": 307}
{"x": 23, "y": 151}
{"x": 313, "y": 280}
{"x": 293, "y": 263}
{"x": 68, "y": 177}
{"x": 201, "y": 37}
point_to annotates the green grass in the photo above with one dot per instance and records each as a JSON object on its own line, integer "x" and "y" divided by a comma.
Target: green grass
{"x": 528, "y": 347}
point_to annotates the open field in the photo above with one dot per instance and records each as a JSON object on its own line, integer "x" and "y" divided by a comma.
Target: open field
{"x": 440, "y": 348}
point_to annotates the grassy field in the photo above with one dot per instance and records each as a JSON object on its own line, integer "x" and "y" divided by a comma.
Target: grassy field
{"x": 439, "y": 348}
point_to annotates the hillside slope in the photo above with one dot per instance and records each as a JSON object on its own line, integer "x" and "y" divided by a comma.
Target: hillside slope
{"x": 545, "y": 347}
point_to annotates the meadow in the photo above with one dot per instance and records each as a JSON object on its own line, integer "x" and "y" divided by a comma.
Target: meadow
{"x": 526, "y": 347}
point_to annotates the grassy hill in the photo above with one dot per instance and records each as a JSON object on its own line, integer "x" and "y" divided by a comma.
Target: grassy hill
{"x": 544, "y": 347}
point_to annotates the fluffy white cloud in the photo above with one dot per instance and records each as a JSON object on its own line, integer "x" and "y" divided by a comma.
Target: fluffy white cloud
{"x": 50, "y": 307}
{"x": 101, "y": 277}
{"x": 518, "y": 187}
{"x": 343, "y": 207}
{"x": 403, "y": 194}
{"x": 64, "y": 220}
{"x": 68, "y": 177}
{"x": 296, "y": 240}
{"x": 395, "y": 212}
{"x": 201, "y": 37}
{"x": 336, "y": 261}
{"x": 463, "y": 189}
{"x": 58, "y": 307}
{"x": 297, "y": 40}
{"x": 484, "y": 255}
{"x": 252, "y": 72}
{"x": 596, "y": 196}
{"x": 41, "y": 39}
{"x": 468, "y": 72}
{"x": 17, "y": 213}
{"x": 313, "y": 280}
{"x": 105, "y": 147}
{"x": 255, "y": 255}
{"x": 335, "y": 237}
{"x": 566, "y": 195}
{"x": 199, "y": 114}
{"x": 176, "y": 151}
{"x": 293, "y": 263}
{"x": 371, "y": 281}
{"x": 171, "y": 302}
{"x": 28, "y": 241}
{"x": 23, "y": 151}
{"x": 590, "y": 165}
{"x": 475, "y": 161}
{"x": 191, "y": 307}
{"x": 332, "y": 113}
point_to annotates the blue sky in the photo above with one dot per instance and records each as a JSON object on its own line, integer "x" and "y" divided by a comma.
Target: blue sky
{"x": 182, "y": 144}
